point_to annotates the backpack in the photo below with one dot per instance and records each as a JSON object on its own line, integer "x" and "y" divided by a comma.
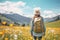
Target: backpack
{"x": 38, "y": 26}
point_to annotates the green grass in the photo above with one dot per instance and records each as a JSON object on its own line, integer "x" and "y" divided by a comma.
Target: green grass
{"x": 53, "y": 24}
{"x": 4, "y": 18}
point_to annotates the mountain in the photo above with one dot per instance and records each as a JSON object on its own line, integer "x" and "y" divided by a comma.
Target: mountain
{"x": 2, "y": 19}
{"x": 52, "y": 19}
{"x": 18, "y": 18}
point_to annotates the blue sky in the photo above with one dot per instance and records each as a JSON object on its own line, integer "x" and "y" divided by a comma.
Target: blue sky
{"x": 48, "y": 8}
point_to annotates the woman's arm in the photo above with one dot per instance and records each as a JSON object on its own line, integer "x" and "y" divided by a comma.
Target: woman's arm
{"x": 32, "y": 22}
{"x": 43, "y": 26}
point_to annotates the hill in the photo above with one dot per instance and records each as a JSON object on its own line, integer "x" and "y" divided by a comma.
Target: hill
{"x": 2, "y": 19}
{"x": 53, "y": 24}
{"x": 18, "y": 18}
{"x": 26, "y": 20}
{"x": 52, "y": 19}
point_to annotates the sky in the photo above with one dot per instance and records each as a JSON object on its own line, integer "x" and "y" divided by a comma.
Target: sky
{"x": 48, "y": 8}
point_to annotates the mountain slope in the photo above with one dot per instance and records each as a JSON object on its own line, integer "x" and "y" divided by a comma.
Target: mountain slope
{"x": 2, "y": 19}
{"x": 18, "y": 18}
{"x": 53, "y": 24}
{"x": 52, "y": 19}
{"x": 25, "y": 20}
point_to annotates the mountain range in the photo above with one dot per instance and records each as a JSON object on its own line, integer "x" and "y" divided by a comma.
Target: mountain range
{"x": 26, "y": 20}
{"x": 18, "y": 18}
{"x": 52, "y": 19}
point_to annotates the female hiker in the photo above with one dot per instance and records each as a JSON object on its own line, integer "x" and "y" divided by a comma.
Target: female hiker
{"x": 37, "y": 26}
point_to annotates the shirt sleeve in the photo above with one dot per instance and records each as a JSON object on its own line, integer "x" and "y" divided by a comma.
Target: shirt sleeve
{"x": 44, "y": 25}
{"x": 32, "y": 25}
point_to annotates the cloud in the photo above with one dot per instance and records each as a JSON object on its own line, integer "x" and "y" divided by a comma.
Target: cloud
{"x": 9, "y": 3}
{"x": 48, "y": 13}
{"x": 19, "y": 7}
{"x": 12, "y": 7}
{"x": 21, "y": 3}
{"x": 58, "y": 13}
{"x": 30, "y": 16}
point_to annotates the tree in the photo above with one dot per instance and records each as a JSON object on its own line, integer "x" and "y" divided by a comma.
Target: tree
{"x": 28, "y": 24}
{"x": 16, "y": 23}
{"x": 23, "y": 25}
{"x": 0, "y": 20}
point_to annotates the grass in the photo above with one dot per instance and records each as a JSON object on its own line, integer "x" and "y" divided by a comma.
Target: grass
{"x": 23, "y": 33}
{"x": 4, "y": 18}
{"x": 54, "y": 24}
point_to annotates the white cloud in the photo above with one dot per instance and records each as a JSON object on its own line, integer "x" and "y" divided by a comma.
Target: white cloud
{"x": 48, "y": 13}
{"x": 21, "y": 3}
{"x": 15, "y": 7}
{"x": 12, "y": 7}
{"x": 30, "y": 16}
{"x": 58, "y": 13}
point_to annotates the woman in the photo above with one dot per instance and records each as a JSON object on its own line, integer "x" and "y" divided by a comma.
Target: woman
{"x": 33, "y": 33}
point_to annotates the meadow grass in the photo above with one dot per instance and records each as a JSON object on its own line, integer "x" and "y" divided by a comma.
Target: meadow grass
{"x": 23, "y": 33}
{"x": 54, "y": 24}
